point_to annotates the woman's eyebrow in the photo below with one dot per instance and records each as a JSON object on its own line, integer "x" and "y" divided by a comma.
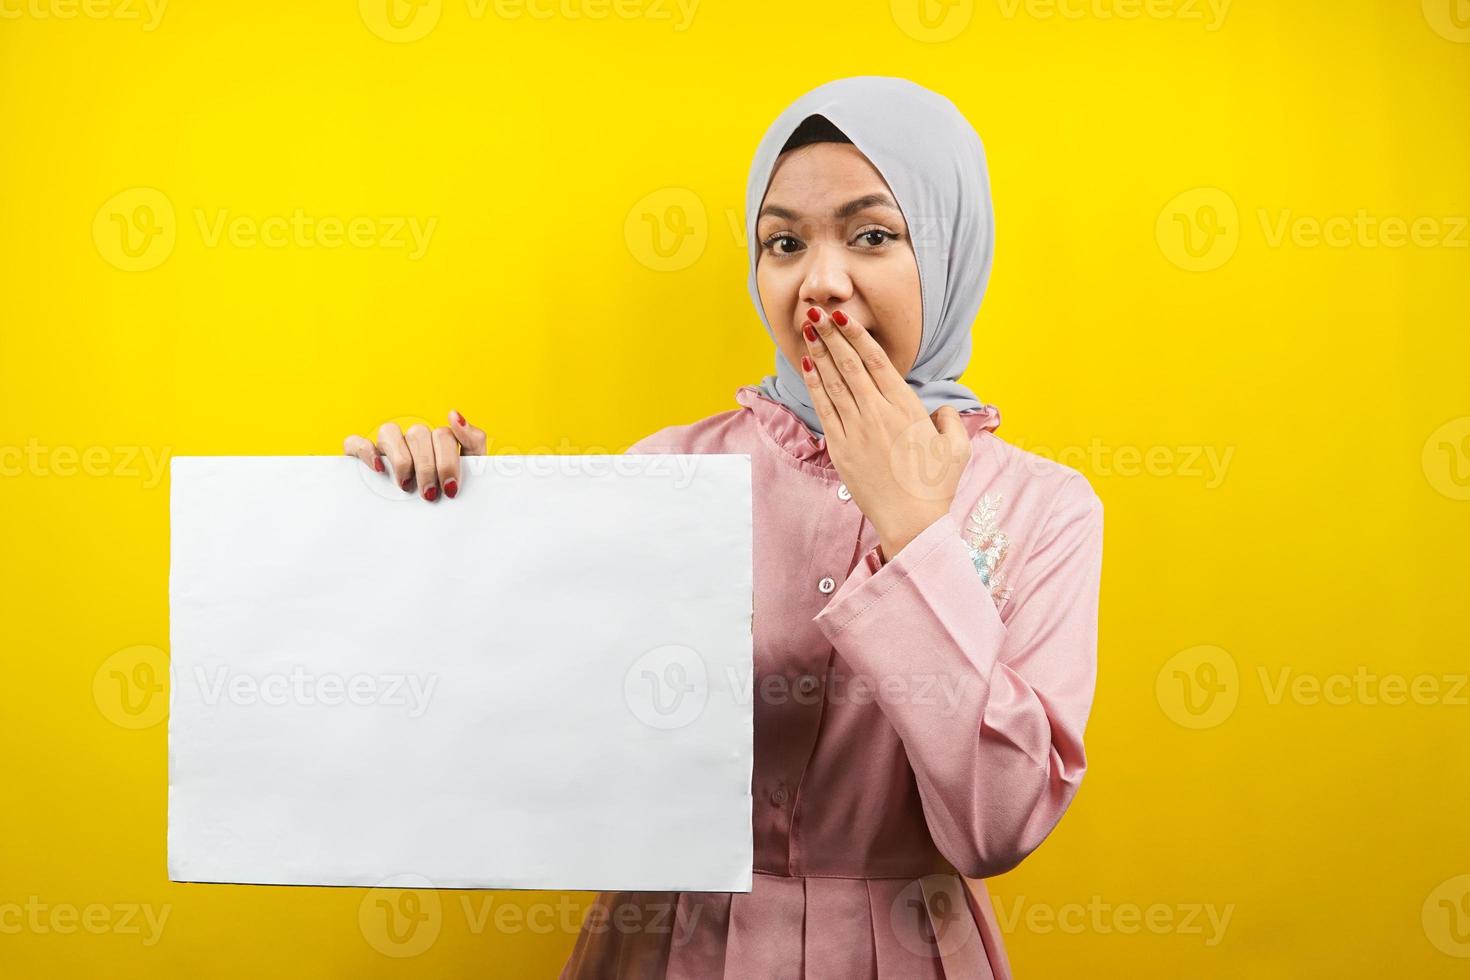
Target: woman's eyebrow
{"x": 846, "y": 211}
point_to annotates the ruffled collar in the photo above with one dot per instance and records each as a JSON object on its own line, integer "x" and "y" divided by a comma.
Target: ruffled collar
{"x": 786, "y": 429}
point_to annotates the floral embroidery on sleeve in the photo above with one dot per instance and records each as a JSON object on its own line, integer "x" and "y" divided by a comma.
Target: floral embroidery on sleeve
{"x": 987, "y": 544}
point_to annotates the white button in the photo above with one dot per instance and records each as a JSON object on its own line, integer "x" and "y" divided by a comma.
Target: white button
{"x": 843, "y": 493}
{"x": 827, "y": 585}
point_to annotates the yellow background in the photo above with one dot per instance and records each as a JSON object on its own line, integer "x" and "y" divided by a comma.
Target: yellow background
{"x": 1328, "y": 380}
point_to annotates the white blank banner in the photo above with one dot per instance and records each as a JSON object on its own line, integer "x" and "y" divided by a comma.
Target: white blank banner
{"x": 542, "y": 683}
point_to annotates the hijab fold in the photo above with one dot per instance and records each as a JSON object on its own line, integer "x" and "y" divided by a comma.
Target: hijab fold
{"x": 934, "y": 163}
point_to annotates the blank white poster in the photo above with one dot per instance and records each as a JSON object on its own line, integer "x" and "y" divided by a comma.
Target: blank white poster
{"x": 542, "y": 683}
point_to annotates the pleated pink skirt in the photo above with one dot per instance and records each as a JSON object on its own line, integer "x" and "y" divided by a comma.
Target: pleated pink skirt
{"x": 938, "y": 926}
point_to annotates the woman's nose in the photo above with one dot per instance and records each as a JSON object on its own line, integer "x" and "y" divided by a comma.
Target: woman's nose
{"x": 827, "y": 281}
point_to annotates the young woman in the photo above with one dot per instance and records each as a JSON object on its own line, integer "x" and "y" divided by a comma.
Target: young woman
{"x": 925, "y": 593}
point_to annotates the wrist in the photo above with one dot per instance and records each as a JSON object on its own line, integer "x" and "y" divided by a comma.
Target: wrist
{"x": 893, "y": 539}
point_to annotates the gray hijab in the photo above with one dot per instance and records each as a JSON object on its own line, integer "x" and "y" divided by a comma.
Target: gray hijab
{"x": 934, "y": 163}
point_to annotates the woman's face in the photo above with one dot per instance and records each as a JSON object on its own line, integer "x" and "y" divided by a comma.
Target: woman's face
{"x": 831, "y": 235}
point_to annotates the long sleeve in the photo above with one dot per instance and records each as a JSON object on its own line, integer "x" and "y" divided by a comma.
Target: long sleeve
{"x": 996, "y": 747}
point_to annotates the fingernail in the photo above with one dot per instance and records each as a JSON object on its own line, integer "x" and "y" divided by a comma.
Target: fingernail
{"x": 407, "y": 481}
{"x": 806, "y": 363}
{"x": 839, "y": 318}
{"x": 378, "y": 463}
{"x": 806, "y": 329}
{"x": 451, "y": 488}
{"x": 431, "y": 494}
{"x": 814, "y": 314}
{"x": 458, "y": 420}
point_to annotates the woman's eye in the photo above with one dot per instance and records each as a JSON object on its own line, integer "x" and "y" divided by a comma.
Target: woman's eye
{"x": 773, "y": 244}
{"x": 876, "y": 237}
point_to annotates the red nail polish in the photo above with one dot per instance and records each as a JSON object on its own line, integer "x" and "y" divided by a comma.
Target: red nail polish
{"x": 378, "y": 463}
{"x": 839, "y": 318}
{"x": 806, "y": 329}
{"x": 431, "y": 494}
{"x": 406, "y": 482}
{"x": 459, "y": 420}
{"x": 806, "y": 363}
{"x": 451, "y": 488}
{"x": 814, "y": 314}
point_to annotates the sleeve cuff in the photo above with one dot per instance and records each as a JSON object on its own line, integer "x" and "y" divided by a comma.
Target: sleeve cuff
{"x": 927, "y": 592}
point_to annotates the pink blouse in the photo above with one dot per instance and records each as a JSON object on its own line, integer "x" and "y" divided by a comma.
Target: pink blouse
{"x": 915, "y": 721}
